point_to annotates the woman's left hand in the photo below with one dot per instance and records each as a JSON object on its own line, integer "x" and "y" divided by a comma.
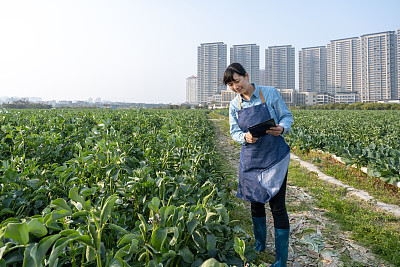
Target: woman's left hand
{"x": 275, "y": 131}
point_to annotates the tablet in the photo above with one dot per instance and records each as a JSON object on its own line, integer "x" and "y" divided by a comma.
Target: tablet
{"x": 261, "y": 128}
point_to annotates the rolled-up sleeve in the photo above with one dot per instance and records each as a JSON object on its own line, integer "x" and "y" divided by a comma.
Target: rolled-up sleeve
{"x": 284, "y": 116}
{"x": 236, "y": 133}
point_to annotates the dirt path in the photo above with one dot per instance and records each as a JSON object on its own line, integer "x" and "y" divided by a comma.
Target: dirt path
{"x": 315, "y": 240}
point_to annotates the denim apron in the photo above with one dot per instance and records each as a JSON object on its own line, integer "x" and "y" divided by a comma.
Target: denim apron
{"x": 263, "y": 164}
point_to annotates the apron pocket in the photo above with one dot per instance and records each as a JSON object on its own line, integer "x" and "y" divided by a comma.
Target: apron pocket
{"x": 272, "y": 178}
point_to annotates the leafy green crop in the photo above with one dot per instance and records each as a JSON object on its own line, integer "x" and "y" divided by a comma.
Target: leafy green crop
{"x": 365, "y": 138}
{"x": 111, "y": 188}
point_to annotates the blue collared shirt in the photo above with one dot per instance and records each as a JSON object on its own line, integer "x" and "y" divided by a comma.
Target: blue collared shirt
{"x": 276, "y": 107}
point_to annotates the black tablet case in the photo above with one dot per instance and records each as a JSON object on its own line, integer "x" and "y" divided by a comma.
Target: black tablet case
{"x": 261, "y": 128}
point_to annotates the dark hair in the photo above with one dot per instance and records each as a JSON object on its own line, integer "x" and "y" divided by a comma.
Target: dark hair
{"x": 231, "y": 70}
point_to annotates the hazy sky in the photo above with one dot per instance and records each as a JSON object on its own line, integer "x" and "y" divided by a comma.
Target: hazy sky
{"x": 142, "y": 51}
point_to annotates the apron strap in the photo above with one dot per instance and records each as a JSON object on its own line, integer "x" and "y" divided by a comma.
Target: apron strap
{"x": 261, "y": 96}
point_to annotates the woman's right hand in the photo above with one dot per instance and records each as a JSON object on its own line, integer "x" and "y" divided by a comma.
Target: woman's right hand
{"x": 249, "y": 138}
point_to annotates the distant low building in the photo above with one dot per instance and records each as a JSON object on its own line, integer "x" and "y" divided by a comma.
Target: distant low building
{"x": 347, "y": 97}
{"x": 35, "y": 99}
{"x": 325, "y": 98}
{"x": 215, "y": 99}
{"x": 288, "y": 96}
{"x": 64, "y": 103}
{"x": 310, "y": 98}
{"x": 293, "y": 98}
{"x": 227, "y": 96}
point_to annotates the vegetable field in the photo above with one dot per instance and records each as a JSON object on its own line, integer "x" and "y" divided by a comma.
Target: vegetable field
{"x": 111, "y": 188}
{"x": 368, "y": 138}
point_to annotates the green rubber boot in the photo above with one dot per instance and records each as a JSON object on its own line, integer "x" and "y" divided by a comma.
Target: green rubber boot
{"x": 260, "y": 232}
{"x": 281, "y": 246}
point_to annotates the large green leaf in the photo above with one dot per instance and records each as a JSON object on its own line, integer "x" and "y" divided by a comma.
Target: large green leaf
{"x": 156, "y": 202}
{"x": 42, "y": 247}
{"x": 223, "y": 213}
{"x": 90, "y": 254}
{"x": 58, "y": 247}
{"x": 58, "y": 214}
{"x": 37, "y": 228}
{"x": 118, "y": 228}
{"x": 126, "y": 239}
{"x": 73, "y": 194}
{"x": 122, "y": 252}
{"x": 199, "y": 240}
{"x": 18, "y": 232}
{"x": 186, "y": 254}
{"x": 117, "y": 262}
{"x": 28, "y": 260}
{"x": 68, "y": 232}
{"x": 213, "y": 263}
{"x": 34, "y": 183}
{"x": 208, "y": 196}
{"x": 240, "y": 247}
{"x": 5, "y": 248}
{"x": 143, "y": 226}
{"x": 210, "y": 214}
{"x": 107, "y": 208}
{"x": 84, "y": 239}
{"x": 176, "y": 236}
{"x": 158, "y": 238}
{"x": 165, "y": 212}
{"x": 152, "y": 207}
{"x": 192, "y": 225}
{"x": 93, "y": 234}
{"x": 60, "y": 203}
{"x": 211, "y": 245}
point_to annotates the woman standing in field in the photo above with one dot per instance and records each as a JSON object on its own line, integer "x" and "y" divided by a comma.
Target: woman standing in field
{"x": 264, "y": 160}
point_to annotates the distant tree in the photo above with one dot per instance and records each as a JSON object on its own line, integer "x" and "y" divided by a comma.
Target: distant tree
{"x": 354, "y": 106}
{"x": 25, "y": 104}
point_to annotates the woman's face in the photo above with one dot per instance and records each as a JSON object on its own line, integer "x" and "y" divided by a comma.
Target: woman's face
{"x": 240, "y": 84}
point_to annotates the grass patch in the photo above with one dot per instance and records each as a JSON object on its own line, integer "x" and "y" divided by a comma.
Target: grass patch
{"x": 376, "y": 230}
{"x": 352, "y": 176}
{"x": 302, "y": 206}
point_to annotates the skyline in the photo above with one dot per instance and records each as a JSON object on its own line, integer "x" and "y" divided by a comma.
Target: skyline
{"x": 143, "y": 52}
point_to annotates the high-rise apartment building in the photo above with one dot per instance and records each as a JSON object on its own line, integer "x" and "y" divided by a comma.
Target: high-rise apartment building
{"x": 379, "y": 66}
{"x": 191, "y": 90}
{"x": 343, "y": 66}
{"x": 262, "y": 78}
{"x": 248, "y": 55}
{"x": 211, "y": 64}
{"x": 312, "y": 69}
{"x": 280, "y": 66}
{"x": 398, "y": 64}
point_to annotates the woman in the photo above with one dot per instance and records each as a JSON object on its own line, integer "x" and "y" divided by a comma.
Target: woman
{"x": 264, "y": 161}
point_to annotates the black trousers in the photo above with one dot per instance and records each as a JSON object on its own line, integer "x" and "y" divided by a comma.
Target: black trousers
{"x": 278, "y": 208}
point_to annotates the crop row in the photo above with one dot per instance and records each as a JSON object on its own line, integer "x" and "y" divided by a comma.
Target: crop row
{"x": 111, "y": 188}
{"x": 361, "y": 137}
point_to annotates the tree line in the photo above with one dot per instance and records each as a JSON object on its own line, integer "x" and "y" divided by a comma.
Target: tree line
{"x": 25, "y": 104}
{"x": 355, "y": 106}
